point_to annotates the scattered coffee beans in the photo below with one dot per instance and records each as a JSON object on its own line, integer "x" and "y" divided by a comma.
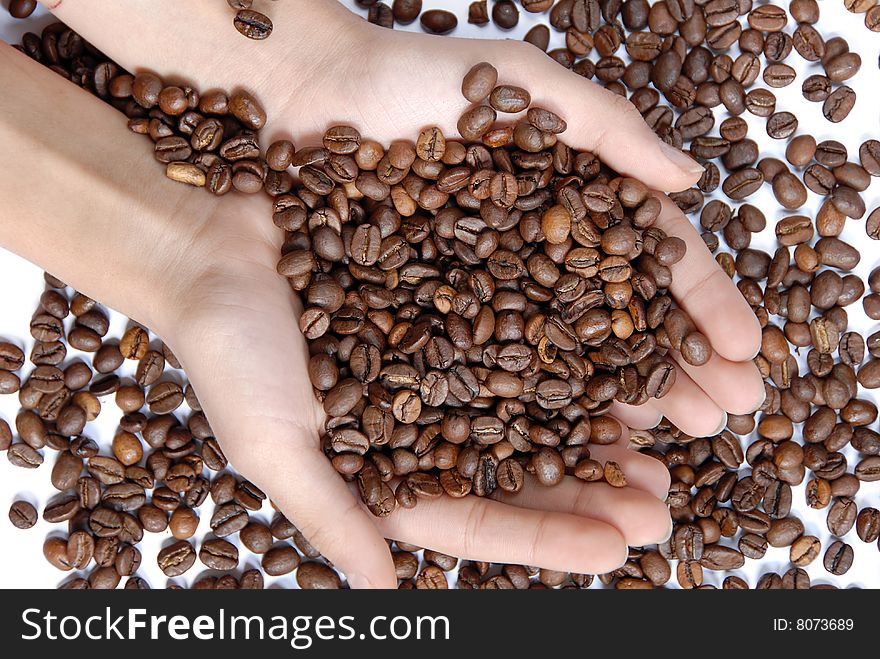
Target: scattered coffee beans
{"x": 473, "y": 306}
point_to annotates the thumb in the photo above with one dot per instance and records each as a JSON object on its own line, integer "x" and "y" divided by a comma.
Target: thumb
{"x": 306, "y": 488}
{"x": 598, "y": 120}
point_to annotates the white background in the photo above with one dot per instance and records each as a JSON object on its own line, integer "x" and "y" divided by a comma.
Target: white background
{"x": 24, "y": 284}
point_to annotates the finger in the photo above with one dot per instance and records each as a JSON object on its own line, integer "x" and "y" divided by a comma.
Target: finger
{"x": 642, "y": 471}
{"x": 701, "y": 288}
{"x": 737, "y": 387}
{"x": 264, "y": 414}
{"x": 312, "y": 495}
{"x": 690, "y": 408}
{"x": 481, "y": 529}
{"x": 598, "y": 120}
{"x": 640, "y": 517}
{"x": 641, "y": 417}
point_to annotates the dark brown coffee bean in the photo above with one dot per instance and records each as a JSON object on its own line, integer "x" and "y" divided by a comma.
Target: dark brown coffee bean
{"x": 438, "y": 21}
{"x": 22, "y": 515}
{"x": 219, "y": 554}
{"x": 253, "y": 24}
{"x": 312, "y": 575}
{"x": 176, "y": 559}
{"x": 842, "y": 516}
{"x": 22, "y": 455}
{"x": 280, "y": 560}
{"x": 476, "y": 122}
{"x": 507, "y": 98}
{"x": 228, "y": 519}
{"x": 781, "y": 125}
{"x": 868, "y": 524}
{"x": 838, "y": 104}
{"x": 479, "y": 82}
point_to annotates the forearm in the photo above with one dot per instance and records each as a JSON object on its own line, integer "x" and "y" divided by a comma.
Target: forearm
{"x": 83, "y": 198}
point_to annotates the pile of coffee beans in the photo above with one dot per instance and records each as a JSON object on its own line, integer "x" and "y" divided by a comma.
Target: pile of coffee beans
{"x": 510, "y": 212}
{"x": 481, "y": 302}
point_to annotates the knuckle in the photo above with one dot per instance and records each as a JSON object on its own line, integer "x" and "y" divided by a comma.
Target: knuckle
{"x": 624, "y": 109}
{"x": 541, "y": 536}
{"x": 473, "y": 527}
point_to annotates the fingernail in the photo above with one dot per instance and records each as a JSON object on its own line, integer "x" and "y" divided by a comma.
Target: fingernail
{"x": 359, "y": 582}
{"x": 722, "y": 426}
{"x": 682, "y": 161}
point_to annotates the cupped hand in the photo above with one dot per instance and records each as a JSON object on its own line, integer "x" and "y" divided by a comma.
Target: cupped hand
{"x": 233, "y": 321}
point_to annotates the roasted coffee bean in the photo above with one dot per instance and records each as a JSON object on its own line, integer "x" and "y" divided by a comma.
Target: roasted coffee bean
{"x": 781, "y": 125}
{"x": 719, "y": 557}
{"x": 253, "y": 24}
{"x": 804, "y": 550}
{"x": 842, "y": 516}
{"x": 22, "y": 455}
{"x": 312, "y": 575}
{"x": 438, "y": 21}
{"x": 507, "y": 98}
{"x": 22, "y": 515}
{"x": 838, "y": 558}
{"x": 838, "y": 104}
{"x": 176, "y": 559}
{"x": 479, "y": 82}
{"x": 228, "y": 519}
{"x": 219, "y": 554}
{"x": 868, "y": 524}
{"x": 280, "y": 560}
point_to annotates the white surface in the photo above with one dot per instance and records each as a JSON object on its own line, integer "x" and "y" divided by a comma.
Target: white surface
{"x": 20, "y": 299}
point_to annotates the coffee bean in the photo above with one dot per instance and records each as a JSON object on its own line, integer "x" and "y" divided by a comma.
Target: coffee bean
{"x": 838, "y": 104}
{"x": 476, "y": 122}
{"x": 742, "y": 183}
{"x": 22, "y": 455}
{"x": 406, "y": 11}
{"x": 838, "y": 558}
{"x": 219, "y": 554}
{"x": 22, "y": 515}
{"x": 781, "y": 125}
{"x": 719, "y": 557}
{"x": 312, "y": 575}
{"x": 868, "y": 524}
{"x": 614, "y": 475}
{"x": 228, "y": 519}
{"x": 868, "y": 469}
{"x": 253, "y": 24}
{"x": 843, "y": 66}
{"x": 176, "y": 559}
{"x": 11, "y": 356}
{"x": 80, "y": 549}
{"x": 22, "y": 8}
{"x": 507, "y": 98}
{"x": 438, "y": 21}
{"x": 505, "y": 14}
{"x": 804, "y": 550}
{"x": 280, "y": 560}
{"x": 841, "y": 516}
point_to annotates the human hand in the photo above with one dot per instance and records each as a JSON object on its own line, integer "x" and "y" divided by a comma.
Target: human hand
{"x": 228, "y": 301}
